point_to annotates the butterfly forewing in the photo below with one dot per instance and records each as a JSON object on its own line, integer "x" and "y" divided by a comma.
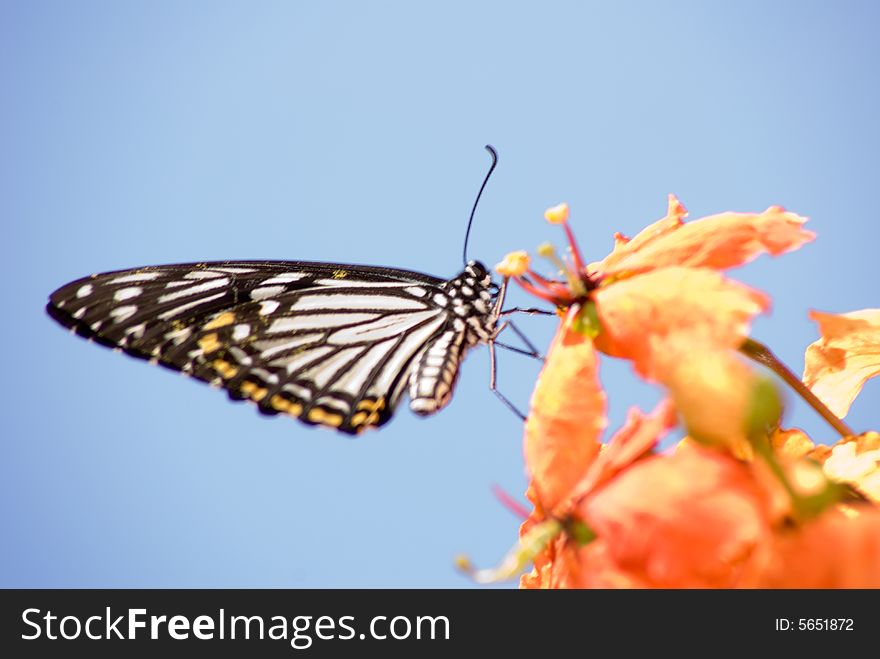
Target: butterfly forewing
{"x": 329, "y": 344}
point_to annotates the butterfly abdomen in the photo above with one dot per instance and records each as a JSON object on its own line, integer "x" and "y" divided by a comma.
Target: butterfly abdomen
{"x": 435, "y": 372}
{"x": 473, "y": 320}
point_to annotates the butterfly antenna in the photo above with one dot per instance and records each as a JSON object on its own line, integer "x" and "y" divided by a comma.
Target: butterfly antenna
{"x": 467, "y": 233}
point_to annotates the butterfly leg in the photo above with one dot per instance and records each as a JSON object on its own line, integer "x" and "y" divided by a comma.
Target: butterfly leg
{"x": 493, "y": 377}
{"x": 532, "y": 350}
{"x": 530, "y": 312}
{"x": 519, "y": 351}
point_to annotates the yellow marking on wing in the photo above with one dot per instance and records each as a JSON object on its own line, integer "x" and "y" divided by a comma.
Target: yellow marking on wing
{"x": 372, "y": 405}
{"x": 340, "y": 274}
{"x": 318, "y": 415}
{"x": 253, "y": 391}
{"x": 224, "y": 319}
{"x": 209, "y": 343}
{"x": 363, "y": 420}
{"x": 281, "y": 404}
{"x": 225, "y": 369}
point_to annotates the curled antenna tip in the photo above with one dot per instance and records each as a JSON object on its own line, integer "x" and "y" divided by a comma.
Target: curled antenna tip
{"x": 467, "y": 233}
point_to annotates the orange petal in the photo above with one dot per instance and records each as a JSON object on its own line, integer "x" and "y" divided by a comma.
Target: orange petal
{"x": 645, "y": 316}
{"x": 847, "y": 356}
{"x": 837, "y": 550}
{"x": 567, "y": 416}
{"x": 791, "y": 444}
{"x": 565, "y": 565}
{"x": 722, "y": 401}
{"x": 626, "y": 247}
{"x": 639, "y": 435}
{"x": 720, "y": 241}
{"x": 688, "y": 520}
{"x": 856, "y": 460}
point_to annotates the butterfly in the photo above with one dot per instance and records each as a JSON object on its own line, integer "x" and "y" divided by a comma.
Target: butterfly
{"x": 330, "y": 344}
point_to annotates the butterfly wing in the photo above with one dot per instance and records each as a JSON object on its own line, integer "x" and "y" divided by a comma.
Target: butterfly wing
{"x": 328, "y": 344}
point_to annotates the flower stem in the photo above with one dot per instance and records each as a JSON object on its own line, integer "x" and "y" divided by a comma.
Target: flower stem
{"x": 761, "y": 354}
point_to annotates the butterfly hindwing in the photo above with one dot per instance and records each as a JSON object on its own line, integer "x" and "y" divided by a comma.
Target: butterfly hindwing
{"x": 329, "y": 344}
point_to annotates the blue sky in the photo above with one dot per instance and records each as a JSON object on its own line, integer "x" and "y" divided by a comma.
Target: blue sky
{"x": 154, "y": 132}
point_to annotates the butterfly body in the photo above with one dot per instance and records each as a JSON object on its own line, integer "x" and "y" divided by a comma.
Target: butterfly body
{"x": 331, "y": 344}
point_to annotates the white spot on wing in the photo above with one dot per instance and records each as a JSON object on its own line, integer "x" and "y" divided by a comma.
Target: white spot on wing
{"x": 317, "y": 321}
{"x": 120, "y": 314}
{"x": 412, "y": 344}
{"x": 240, "y": 332}
{"x": 84, "y": 290}
{"x": 354, "y": 379}
{"x": 322, "y": 373}
{"x": 178, "y": 336}
{"x": 240, "y": 356}
{"x": 284, "y": 278}
{"x": 297, "y": 390}
{"x": 381, "y": 328}
{"x": 126, "y": 293}
{"x": 194, "y": 290}
{"x": 136, "y": 330}
{"x": 137, "y": 276}
{"x": 354, "y": 283}
{"x": 344, "y": 301}
{"x": 300, "y": 359}
{"x": 268, "y": 306}
{"x": 272, "y": 347}
{"x": 202, "y": 274}
{"x": 264, "y": 292}
{"x": 264, "y": 375}
{"x": 336, "y": 404}
{"x": 165, "y": 315}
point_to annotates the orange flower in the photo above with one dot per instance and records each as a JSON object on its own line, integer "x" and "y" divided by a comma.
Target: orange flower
{"x": 622, "y": 515}
{"x": 562, "y": 448}
{"x": 650, "y": 319}
{"x": 563, "y": 431}
{"x": 663, "y": 283}
{"x": 840, "y": 549}
{"x": 848, "y": 355}
{"x": 852, "y": 460}
{"x": 722, "y": 241}
{"x": 689, "y": 520}
{"x": 792, "y": 444}
{"x": 560, "y": 565}
{"x": 856, "y": 461}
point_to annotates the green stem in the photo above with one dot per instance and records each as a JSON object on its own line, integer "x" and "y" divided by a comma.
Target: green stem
{"x": 761, "y": 354}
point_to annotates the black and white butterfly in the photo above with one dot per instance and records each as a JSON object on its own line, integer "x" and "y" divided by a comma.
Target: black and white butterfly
{"x": 335, "y": 345}
{"x": 331, "y": 344}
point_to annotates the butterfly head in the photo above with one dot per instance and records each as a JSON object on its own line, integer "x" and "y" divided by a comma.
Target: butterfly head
{"x": 479, "y": 273}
